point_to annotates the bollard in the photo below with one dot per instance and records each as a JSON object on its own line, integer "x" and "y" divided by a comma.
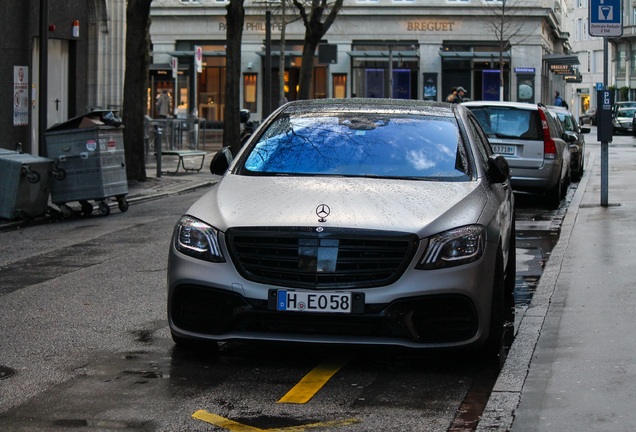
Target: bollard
{"x": 158, "y": 149}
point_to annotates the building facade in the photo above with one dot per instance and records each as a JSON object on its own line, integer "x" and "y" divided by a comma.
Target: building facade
{"x": 81, "y": 43}
{"x": 581, "y": 93}
{"x": 416, "y": 49}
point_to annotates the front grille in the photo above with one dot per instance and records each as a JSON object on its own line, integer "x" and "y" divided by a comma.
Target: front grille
{"x": 306, "y": 258}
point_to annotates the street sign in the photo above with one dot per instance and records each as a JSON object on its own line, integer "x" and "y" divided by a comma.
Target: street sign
{"x": 605, "y": 18}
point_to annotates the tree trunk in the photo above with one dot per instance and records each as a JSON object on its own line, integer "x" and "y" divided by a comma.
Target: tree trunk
{"x": 232, "y": 124}
{"x": 315, "y": 29}
{"x": 136, "y": 86}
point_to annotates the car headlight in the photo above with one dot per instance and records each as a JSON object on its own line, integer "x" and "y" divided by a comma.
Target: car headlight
{"x": 454, "y": 247}
{"x": 197, "y": 239}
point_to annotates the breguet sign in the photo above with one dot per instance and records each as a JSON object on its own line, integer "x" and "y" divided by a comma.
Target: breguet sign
{"x": 430, "y": 26}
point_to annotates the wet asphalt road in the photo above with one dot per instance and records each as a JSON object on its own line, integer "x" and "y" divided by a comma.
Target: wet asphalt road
{"x": 85, "y": 344}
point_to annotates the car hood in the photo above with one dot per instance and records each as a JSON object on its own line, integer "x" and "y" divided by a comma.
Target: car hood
{"x": 359, "y": 203}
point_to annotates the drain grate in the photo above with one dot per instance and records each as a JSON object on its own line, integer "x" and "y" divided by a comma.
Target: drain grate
{"x": 6, "y": 372}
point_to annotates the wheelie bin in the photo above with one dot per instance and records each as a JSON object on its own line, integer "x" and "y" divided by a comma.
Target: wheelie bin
{"x": 90, "y": 163}
{"x": 24, "y": 185}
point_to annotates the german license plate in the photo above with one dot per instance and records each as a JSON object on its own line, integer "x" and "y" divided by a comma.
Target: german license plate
{"x": 311, "y": 301}
{"x": 503, "y": 149}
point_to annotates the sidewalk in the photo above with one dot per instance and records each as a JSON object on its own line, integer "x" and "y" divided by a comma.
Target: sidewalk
{"x": 571, "y": 366}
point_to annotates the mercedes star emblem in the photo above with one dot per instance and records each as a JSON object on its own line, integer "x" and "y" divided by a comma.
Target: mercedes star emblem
{"x": 323, "y": 211}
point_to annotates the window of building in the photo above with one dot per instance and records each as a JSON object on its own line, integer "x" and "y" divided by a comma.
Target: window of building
{"x": 621, "y": 61}
{"x": 250, "y": 92}
{"x": 371, "y": 69}
{"x": 339, "y": 86}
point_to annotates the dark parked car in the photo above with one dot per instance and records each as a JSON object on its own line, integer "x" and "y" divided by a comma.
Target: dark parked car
{"x": 533, "y": 142}
{"x": 588, "y": 117}
{"x": 577, "y": 148}
{"x": 360, "y": 221}
{"x": 623, "y": 120}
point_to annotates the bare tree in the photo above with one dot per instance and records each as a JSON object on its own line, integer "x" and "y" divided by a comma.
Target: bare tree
{"x": 505, "y": 25}
{"x": 135, "y": 86}
{"x": 232, "y": 125}
{"x": 316, "y": 26}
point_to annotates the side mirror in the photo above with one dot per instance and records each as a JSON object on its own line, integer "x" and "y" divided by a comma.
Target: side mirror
{"x": 221, "y": 161}
{"x": 498, "y": 168}
{"x": 569, "y": 137}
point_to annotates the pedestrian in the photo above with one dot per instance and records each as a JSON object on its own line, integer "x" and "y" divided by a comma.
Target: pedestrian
{"x": 459, "y": 95}
{"x": 451, "y": 95}
{"x": 558, "y": 101}
{"x": 163, "y": 104}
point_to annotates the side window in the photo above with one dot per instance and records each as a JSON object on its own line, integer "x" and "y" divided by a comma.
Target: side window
{"x": 556, "y": 130}
{"x": 483, "y": 145}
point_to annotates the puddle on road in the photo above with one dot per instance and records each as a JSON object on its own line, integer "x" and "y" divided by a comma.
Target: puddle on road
{"x": 533, "y": 250}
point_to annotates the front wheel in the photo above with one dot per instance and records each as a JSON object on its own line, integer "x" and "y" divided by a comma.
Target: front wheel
{"x": 494, "y": 348}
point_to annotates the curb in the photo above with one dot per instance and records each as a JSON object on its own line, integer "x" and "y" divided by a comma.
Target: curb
{"x": 500, "y": 409}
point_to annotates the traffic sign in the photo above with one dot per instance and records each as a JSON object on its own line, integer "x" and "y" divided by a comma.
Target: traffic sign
{"x": 605, "y": 18}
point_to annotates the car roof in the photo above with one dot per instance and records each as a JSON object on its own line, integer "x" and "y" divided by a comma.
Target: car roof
{"x": 558, "y": 108}
{"x": 518, "y": 105}
{"x": 374, "y": 105}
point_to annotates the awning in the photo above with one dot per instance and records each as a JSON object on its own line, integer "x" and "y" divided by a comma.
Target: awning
{"x": 277, "y": 53}
{"x": 480, "y": 55}
{"x": 561, "y": 59}
{"x": 383, "y": 54}
{"x": 166, "y": 66}
{"x": 191, "y": 53}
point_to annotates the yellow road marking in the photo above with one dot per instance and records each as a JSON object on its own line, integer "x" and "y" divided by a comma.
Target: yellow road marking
{"x": 312, "y": 382}
{"x": 233, "y": 426}
{"x": 223, "y": 422}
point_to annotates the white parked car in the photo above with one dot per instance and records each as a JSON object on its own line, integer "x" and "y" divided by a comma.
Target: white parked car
{"x": 360, "y": 221}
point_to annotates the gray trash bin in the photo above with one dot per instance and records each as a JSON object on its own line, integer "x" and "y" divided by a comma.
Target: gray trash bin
{"x": 90, "y": 163}
{"x": 24, "y": 185}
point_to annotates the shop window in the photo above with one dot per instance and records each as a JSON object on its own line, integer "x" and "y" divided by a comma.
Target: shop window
{"x": 250, "y": 101}
{"x": 339, "y": 86}
{"x": 320, "y": 83}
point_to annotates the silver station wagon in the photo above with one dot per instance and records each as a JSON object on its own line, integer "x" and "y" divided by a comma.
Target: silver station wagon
{"x": 534, "y": 143}
{"x": 351, "y": 221}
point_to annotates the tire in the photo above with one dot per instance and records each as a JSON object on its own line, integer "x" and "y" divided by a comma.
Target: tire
{"x": 566, "y": 183}
{"x": 122, "y": 202}
{"x": 87, "y": 208}
{"x": 493, "y": 349}
{"x": 104, "y": 209}
{"x": 553, "y": 196}
{"x": 511, "y": 265}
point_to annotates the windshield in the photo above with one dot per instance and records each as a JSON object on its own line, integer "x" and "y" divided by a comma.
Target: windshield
{"x": 506, "y": 122}
{"x": 360, "y": 144}
{"x": 626, "y": 112}
{"x": 566, "y": 121}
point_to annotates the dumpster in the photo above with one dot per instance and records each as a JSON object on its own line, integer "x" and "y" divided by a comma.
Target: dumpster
{"x": 88, "y": 152}
{"x": 24, "y": 185}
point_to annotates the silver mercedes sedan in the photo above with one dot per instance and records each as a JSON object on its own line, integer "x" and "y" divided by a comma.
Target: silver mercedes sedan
{"x": 351, "y": 221}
